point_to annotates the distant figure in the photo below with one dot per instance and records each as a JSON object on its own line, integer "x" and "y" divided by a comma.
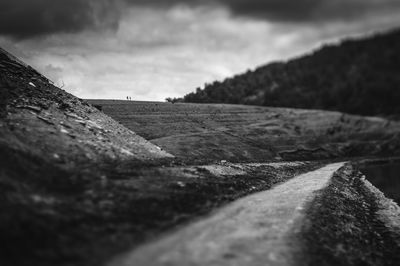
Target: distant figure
{"x": 127, "y": 98}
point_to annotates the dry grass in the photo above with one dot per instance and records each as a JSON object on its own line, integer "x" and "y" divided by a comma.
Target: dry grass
{"x": 210, "y": 132}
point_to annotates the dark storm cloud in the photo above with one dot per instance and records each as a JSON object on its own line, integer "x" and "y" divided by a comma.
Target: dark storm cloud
{"x": 28, "y": 18}
{"x": 282, "y": 10}
{"x": 267, "y": 9}
{"x": 291, "y": 10}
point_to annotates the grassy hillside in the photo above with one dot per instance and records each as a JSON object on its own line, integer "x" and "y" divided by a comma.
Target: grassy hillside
{"x": 238, "y": 133}
{"x": 357, "y": 76}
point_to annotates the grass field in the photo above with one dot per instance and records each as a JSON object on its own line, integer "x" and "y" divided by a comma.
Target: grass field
{"x": 237, "y": 133}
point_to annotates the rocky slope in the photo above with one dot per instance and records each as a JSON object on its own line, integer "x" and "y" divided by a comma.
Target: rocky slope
{"x": 39, "y": 118}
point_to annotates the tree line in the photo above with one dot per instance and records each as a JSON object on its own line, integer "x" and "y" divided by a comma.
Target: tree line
{"x": 356, "y": 76}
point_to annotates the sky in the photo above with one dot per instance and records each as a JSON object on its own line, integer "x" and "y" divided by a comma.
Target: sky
{"x": 154, "y": 49}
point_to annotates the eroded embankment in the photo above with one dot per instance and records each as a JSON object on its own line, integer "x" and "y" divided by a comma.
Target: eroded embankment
{"x": 351, "y": 223}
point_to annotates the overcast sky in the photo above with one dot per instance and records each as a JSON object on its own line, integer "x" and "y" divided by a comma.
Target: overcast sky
{"x": 153, "y": 49}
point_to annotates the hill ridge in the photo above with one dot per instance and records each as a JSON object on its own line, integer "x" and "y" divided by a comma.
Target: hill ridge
{"x": 358, "y": 76}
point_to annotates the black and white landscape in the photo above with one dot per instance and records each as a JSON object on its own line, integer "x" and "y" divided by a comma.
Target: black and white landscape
{"x": 219, "y": 132}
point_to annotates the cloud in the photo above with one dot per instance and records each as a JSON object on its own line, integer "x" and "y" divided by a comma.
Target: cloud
{"x": 307, "y": 11}
{"x": 152, "y": 49}
{"x": 310, "y": 11}
{"x": 167, "y": 52}
{"x": 154, "y": 54}
{"x": 29, "y": 18}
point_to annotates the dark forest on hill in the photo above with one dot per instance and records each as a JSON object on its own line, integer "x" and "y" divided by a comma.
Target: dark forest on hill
{"x": 359, "y": 76}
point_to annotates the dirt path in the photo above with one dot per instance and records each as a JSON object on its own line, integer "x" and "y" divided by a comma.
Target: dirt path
{"x": 254, "y": 230}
